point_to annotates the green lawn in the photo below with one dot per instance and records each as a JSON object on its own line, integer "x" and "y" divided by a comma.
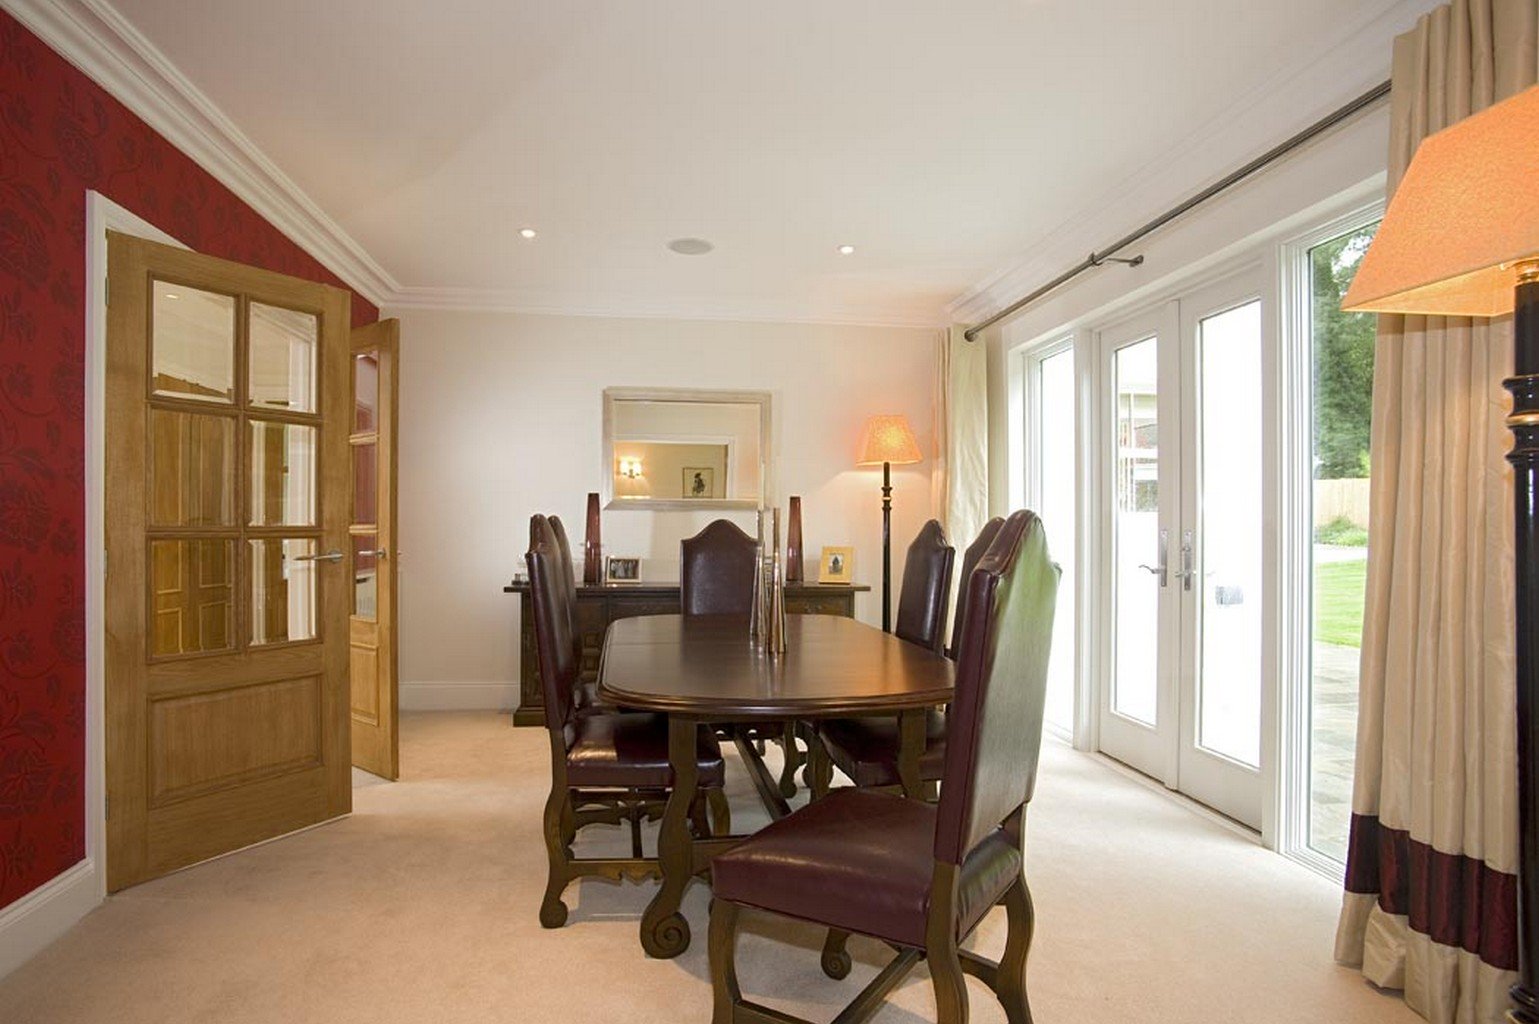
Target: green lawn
{"x": 1339, "y": 588}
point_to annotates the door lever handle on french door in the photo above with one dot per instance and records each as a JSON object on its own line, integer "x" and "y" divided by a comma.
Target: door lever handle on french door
{"x": 1161, "y": 570}
{"x": 1187, "y": 571}
{"x": 330, "y": 556}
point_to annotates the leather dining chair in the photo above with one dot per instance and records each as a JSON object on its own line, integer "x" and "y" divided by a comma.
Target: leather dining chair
{"x": 921, "y": 876}
{"x": 716, "y": 578}
{"x": 586, "y": 692}
{"x": 605, "y": 766}
{"x": 866, "y": 748}
{"x": 716, "y": 571}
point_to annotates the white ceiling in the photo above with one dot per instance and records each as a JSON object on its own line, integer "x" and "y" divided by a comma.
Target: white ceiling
{"x": 943, "y": 140}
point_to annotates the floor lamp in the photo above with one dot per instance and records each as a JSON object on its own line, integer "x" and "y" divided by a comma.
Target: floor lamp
{"x": 887, "y": 441}
{"x": 1461, "y": 238}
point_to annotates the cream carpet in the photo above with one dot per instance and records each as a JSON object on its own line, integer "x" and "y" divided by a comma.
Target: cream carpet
{"x": 421, "y": 907}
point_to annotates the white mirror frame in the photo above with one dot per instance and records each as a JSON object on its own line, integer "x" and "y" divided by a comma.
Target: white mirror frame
{"x": 758, "y": 398}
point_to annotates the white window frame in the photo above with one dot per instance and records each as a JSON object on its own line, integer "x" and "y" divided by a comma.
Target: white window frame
{"x": 1296, "y": 505}
{"x": 1026, "y": 492}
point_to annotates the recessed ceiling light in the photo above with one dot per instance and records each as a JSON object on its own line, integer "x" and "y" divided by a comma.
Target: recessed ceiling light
{"x": 172, "y": 295}
{"x": 690, "y": 246}
{"x": 846, "y": 250}
{"x": 528, "y": 232}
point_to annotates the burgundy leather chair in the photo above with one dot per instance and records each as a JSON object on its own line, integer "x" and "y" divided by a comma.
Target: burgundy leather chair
{"x": 716, "y": 571}
{"x": 586, "y": 692}
{"x": 922, "y": 876}
{"x": 605, "y": 766}
{"x": 866, "y": 749}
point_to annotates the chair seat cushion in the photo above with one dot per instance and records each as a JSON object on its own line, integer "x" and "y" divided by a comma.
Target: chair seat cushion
{"x": 630, "y": 749}
{"x": 861, "y": 861}
{"x": 866, "y": 749}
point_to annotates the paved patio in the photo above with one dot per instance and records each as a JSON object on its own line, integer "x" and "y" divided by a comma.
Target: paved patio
{"x": 1332, "y": 748}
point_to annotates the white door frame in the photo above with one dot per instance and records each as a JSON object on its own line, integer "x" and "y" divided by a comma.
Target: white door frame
{"x": 41, "y": 916}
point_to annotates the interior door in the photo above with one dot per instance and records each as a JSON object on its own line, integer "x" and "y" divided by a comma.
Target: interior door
{"x": 372, "y": 629}
{"x": 1183, "y": 466}
{"x": 226, "y": 612}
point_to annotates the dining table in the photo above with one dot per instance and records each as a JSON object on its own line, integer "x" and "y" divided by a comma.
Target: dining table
{"x": 705, "y": 670}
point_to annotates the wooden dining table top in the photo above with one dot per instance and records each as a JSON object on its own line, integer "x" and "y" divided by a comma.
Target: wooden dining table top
{"x": 705, "y": 666}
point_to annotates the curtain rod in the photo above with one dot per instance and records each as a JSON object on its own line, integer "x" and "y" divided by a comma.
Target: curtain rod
{"x": 1105, "y": 256}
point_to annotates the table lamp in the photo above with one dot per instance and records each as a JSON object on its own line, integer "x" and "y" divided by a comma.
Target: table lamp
{"x": 887, "y": 440}
{"x": 1461, "y": 238}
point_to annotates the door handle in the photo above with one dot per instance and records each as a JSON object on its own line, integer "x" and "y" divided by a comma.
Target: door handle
{"x": 1187, "y": 561}
{"x": 330, "y": 556}
{"x": 1161, "y": 570}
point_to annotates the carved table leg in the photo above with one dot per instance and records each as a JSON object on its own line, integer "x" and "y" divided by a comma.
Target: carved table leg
{"x": 664, "y": 931}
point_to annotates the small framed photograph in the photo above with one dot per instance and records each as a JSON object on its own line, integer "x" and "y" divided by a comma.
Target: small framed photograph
{"x": 622, "y": 569}
{"x": 837, "y": 565}
{"x": 699, "y": 482}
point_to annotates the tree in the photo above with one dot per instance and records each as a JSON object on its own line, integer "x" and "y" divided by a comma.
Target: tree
{"x": 1343, "y": 349}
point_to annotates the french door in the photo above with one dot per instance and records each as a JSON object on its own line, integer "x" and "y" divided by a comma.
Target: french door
{"x": 1182, "y": 466}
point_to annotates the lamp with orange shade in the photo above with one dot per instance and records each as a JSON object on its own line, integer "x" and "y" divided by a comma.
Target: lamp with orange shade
{"x": 1461, "y": 238}
{"x": 886, "y": 441}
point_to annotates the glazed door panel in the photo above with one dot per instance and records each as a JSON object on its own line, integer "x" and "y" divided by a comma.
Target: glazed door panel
{"x": 226, "y": 614}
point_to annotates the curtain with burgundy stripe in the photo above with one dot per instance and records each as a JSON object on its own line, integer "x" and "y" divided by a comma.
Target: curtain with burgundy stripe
{"x": 1431, "y": 887}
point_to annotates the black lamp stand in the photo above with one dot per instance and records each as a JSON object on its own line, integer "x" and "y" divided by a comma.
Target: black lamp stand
{"x": 1524, "y": 423}
{"x": 886, "y": 547}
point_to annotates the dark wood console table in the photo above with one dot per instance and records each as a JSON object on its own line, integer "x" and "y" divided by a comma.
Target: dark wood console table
{"x": 599, "y": 604}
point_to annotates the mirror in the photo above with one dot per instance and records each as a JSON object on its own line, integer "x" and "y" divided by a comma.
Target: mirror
{"x": 667, "y": 449}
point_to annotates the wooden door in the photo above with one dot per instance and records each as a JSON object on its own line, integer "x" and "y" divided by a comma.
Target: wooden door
{"x": 372, "y": 630}
{"x": 226, "y": 605}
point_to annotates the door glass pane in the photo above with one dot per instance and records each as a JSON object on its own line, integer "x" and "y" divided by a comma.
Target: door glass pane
{"x": 365, "y": 483}
{"x": 1055, "y": 447}
{"x": 193, "y": 343}
{"x": 192, "y": 469}
{"x": 282, "y": 590}
{"x": 365, "y": 392}
{"x": 1229, "y": 548}
{"x": 365, "y": 575}
{"x": 282, "y": 343}
{"x": 282, "y": 474}
{"x": 1136, "y": 539}
{"x": 192, "y": 600}
{"x": 1343, "y": 391}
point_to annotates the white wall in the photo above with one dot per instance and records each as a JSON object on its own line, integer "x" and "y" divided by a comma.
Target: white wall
{"x": 1347, "y": 165}
{"x": 501, "y": 418}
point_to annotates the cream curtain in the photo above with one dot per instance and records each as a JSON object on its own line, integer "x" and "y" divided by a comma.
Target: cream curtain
{"x": 960, "y": 481}
{"x": 1430, "y": 905}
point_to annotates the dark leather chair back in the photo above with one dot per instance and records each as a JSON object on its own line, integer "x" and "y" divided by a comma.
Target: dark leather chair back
{"x": 970, "y": 559}
{"x": 716, "y": 571}
{"x": 926, "y": 588}
{"x": 994, "y": 729}
{"x": 568, "y": 573}
{"x": 551, "y": 605}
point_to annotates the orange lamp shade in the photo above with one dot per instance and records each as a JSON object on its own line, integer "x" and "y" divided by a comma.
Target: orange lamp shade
{"x": 1465, "y": 214}
{"x": 888, "y": 439}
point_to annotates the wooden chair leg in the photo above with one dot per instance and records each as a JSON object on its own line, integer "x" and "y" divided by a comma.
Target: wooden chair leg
{"x": 836, "y": 960}
{"x": 793, "y": 760}
{"x": 722, "y": 951}
{"x": 820, "y": 770}
{"x": 950, "y": 985}
{"x": 1011, "y": 987}
{"x": 721, "y": 812}
{"x": 558, "y": 812}
{"x": 568, "y": 827}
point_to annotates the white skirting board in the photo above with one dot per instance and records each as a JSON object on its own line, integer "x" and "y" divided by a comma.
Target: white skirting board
{"x": 45, "y": 913}
{"x": 453, "y": 696}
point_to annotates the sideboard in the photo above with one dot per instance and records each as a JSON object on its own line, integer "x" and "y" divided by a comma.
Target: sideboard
{"x": 599, "y": 604}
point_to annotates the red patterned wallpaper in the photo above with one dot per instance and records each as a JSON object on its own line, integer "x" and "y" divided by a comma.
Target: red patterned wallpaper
{"x": 60, "y": 135}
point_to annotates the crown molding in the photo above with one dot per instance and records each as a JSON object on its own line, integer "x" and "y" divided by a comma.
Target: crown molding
{"x": 99, "y": 41}
{"x": 499, "y": 300}
{"x": 1293, "y": 97}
